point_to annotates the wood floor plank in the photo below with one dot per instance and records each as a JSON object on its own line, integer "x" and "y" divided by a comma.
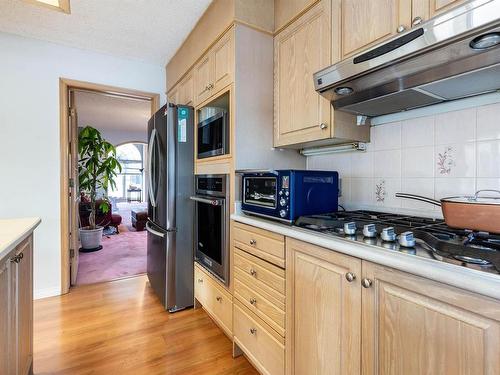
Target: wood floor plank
{"x": 121, "y": 328}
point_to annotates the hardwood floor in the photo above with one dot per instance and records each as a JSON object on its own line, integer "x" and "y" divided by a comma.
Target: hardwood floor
{"x": 120, "y": 328}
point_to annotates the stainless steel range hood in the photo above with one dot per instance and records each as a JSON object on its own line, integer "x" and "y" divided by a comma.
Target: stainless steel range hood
{"x": 452, "y": 56}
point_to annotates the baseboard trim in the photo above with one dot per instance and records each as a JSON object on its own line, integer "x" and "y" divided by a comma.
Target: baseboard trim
{"x": 47, "y": 292}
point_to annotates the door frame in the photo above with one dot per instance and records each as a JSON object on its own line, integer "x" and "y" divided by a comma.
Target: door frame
{"x": 65, "y": 85}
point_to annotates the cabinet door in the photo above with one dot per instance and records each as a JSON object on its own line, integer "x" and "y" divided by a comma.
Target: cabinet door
{"x": 323, "y": 311}
{"x": 173, "y": 95}
{"x": 223, "y": 62}
{"x": 300, "y": 50}
{"x": 367, "y": 22}
{"x": 6, "y": 321}
{"x": 412, "y": 325}
{"x": 24, "y": 307}
{"x": 202, "y": 79}
{"x": 186, "y": 92}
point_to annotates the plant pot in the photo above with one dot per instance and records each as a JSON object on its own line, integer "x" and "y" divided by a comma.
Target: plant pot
{"x": 91, "y": 238}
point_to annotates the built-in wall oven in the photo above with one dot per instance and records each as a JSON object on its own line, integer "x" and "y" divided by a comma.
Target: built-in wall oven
{"x": 212, "y": 224}
{"x": 213, "y": 133}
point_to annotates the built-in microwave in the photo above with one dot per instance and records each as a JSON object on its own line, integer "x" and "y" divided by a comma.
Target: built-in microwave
{"x": 213, "y": 135}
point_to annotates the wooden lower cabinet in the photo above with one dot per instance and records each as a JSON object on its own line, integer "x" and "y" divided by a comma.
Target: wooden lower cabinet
{"x": 262, "y": 345}
{"x": 413, "y": 326}
{"x": 16, "y": 310}
{"x": 216, "y": 301}
{"x": 347, "y": 316}
{"x": 323, "y": 311}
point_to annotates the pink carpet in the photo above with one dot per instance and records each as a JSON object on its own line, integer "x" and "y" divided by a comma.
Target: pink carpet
{"x": 122, "y": 255}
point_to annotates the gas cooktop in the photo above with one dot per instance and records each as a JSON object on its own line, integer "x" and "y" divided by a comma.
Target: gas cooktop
{"x": 424, "y": 237}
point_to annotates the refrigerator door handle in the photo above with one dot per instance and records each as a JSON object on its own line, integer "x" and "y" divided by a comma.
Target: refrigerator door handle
{"x": 152, "y": 197}
{"x": 154, "y": 232}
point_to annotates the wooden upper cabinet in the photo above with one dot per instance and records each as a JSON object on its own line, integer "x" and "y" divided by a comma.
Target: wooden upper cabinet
{"x": 422, "y": 10}
{"x": 186, "y": 90}
{"x": 323, "y": 311}
{"x": 223, "y": 62}
{"x": 287, "y": 10}
{"x": 412, "y": 325}
{"x": 173, "y": 95}
{"x": 368, "y": 22}
{"x": 300, "y": 50}
{"x": 215, "y": 69}
{"x": 202, "y": 79}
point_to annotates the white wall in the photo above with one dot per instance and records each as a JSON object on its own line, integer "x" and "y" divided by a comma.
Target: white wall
{"x": 29, "y": 132}
{"x": 437, "y": 154}
{"x": 117, "y": 137}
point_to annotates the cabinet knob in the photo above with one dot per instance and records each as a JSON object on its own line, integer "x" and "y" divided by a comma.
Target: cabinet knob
{"x": 253, "y": 301}
{"x": 323, "y": 126}
{"x": 350, "y": 276}
{"x": 401, "y": 28}
{"x": 218, "y": 298}
{"x": 366, "y": 283}
{"x": 253, "y": 272}
{"x": 253, "y": 242}
{"x": 200, "y": 280}
{"x": 417, "y": 21}
{"x": 211, "y": 86}
{"x": 253, "y": 331}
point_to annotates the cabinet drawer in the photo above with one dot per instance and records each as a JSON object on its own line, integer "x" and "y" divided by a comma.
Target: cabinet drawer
{"x": 214, "y": 298}
{"x": 266, "y": 275}
{"x": 264, "y": 347}
{"x": 263, "y": 305}
{"x": 263, "y": 244}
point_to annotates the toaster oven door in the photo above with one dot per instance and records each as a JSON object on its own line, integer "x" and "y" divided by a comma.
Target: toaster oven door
{"x": 261, "y": 191}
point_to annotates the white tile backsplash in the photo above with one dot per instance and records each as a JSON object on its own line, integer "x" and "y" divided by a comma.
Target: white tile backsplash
{"x": 438, "y": 155}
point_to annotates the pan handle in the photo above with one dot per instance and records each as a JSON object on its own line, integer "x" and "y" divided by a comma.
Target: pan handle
{"x": 486, "y": 190}
{"x": 419, "y": 198}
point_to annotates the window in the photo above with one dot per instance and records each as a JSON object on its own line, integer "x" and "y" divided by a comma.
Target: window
{"x": 59, "y": 5}
{"x": 130, "y": 183}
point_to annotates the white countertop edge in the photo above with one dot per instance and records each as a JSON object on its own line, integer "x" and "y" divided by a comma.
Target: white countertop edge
{"x": 464, "y": 278}
{"x": 21, "y": 228}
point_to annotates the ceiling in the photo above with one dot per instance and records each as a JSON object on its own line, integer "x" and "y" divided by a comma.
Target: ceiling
{"x": 105, "y": 112}
{"x": 146, "y": 30}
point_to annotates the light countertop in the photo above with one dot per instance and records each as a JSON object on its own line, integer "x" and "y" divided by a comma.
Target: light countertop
{"x": 14, "y": 231}
{"x": 464, "y": 278}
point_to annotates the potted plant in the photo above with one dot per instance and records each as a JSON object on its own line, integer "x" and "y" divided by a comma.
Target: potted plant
{"x": 97, "y": 168}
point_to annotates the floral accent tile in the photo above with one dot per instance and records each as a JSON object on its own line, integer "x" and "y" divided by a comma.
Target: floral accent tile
{"x": 380, "y": 191}
{"x": 446, "y": 161}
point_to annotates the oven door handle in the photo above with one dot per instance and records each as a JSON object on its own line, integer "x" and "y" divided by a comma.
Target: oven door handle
{"x": 212, "y": 201}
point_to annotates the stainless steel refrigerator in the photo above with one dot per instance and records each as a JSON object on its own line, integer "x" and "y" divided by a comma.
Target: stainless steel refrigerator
{"x": 170, "y": 178}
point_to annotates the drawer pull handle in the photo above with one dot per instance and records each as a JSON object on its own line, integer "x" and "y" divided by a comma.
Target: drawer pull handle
{"x": 200, "y": 280}
{"x": 219, "y": 299}
{"x": 253, "y": 331}
{"x": 350, "y": 276}
{"x": 253, "y": 242}
{"x": 253, "y": 301}
{"x": 253, "y": 272}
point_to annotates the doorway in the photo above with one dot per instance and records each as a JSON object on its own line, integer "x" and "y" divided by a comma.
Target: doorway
{"x": 71, "y": 93}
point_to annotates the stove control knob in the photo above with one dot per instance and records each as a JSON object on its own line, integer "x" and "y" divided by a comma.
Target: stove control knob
{"x": 388, "y": 234}
{"x": 369, "y": 230}
{"x": 407, "y": 239}
{"x": 287, "y": 193}
{"x": 282, "y": 213}
{"x": 350, "y": 228}
{"x": 281, "y": 192}
{"x": 282, "y": 202}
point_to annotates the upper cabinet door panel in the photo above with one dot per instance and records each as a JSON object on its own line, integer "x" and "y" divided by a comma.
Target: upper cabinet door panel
{"x": 440, "y": 6}
{"x": 422, "y": 10}
{"x": 287, "y": 10}
{"x": 186, "y": 90}
{"x": 413, "y": 325}
{"x": 300, "y": 50}
{"x": 223, "y": 62}
{"x": 368, "y": 22}
{"x": 202, "y": 79}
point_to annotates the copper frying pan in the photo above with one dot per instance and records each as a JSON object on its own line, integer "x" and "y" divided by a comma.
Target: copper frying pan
{"x": 467, "y": 212}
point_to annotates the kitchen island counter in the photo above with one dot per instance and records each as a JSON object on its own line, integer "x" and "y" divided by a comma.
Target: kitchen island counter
{"x": 14, "y": 231}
